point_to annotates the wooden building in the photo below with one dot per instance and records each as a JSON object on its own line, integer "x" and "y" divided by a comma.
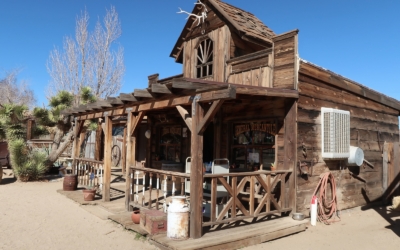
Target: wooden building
{"x": 246, "y": 97}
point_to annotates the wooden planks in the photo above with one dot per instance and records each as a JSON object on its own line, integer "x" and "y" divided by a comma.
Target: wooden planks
{"x": 285, "y": 60}
{"x": 237, "y": 237}
{"x": 347, "y": 85}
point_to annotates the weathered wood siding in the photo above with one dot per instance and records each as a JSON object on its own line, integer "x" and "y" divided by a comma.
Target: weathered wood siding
{"x": 371, "y": 125}
{"x": 285, "y": 60}
{"x": 221, "y": 38}
{"x": 252, "y": 69}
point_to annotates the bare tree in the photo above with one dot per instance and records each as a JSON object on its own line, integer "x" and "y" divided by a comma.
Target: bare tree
{"x": 89, "y": 60}
{"x": 15, "y": 92}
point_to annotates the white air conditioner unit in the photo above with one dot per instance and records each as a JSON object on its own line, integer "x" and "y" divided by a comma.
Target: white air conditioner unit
{"x": 335, "y": 133}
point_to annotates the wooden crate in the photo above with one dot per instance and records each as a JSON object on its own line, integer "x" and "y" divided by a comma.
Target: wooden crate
{"x": 153, "y": 221}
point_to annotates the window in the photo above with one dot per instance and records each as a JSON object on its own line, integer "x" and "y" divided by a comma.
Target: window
{"x": 253, "y": 145}
{"x": 204, "y": 66}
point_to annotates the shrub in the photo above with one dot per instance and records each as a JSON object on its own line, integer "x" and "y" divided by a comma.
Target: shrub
{"x": 27, "y": 165}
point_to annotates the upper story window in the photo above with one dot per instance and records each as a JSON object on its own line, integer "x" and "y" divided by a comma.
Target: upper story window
{"x": 205, "y": 56}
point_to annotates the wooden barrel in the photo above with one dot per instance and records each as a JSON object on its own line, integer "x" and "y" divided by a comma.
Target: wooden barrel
{"x": 70, "y": 182}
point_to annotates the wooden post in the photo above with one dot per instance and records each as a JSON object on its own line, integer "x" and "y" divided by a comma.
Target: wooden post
{"x": 76, "y": 144}
{"x": 107, "y": 158}
{"x": 130, "y": 144}
{"x": 290, "y": 151}
{"x": 132, "y": 125}
{"x": 99, "y": 131}
{"x": 123, "y": 159}
{"x": 196, "y": 173}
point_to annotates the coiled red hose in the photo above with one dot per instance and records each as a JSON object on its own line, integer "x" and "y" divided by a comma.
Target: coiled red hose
{"x": 327, "y": 209}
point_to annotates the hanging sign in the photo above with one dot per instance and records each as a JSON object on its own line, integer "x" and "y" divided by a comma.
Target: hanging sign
{"x": 171, "y": 130}
{"x": 262, "y": 127}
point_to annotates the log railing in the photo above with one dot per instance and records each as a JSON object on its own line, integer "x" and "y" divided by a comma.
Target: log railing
{"x": 90, "y": 172}
{"x": 248, "y": 195}
{"x": 160, "y": 184}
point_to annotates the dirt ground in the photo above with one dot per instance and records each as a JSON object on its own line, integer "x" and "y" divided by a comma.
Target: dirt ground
{"x": 35, "y": 216}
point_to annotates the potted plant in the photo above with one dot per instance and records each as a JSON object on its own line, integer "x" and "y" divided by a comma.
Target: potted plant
{"x": 273, "y": 168}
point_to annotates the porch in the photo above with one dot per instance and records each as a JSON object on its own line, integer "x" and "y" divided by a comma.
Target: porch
{"x": 243, "y": 231}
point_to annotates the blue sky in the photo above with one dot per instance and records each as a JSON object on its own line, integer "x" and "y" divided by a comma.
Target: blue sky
{"x": 359, "y": 39}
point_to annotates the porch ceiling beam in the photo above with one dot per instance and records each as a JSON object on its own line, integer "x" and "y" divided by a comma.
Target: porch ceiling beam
{"x": 115, "y": 101}
{"x": 209, "y": 116}
{"x": 103, "y": 104}
{"x": 143, "y": 93}
{"x": 160, "y": 88}
{"x": 125, "y": 97}
{"x": 224, "y": 94}
{"x": 185, "y": 116}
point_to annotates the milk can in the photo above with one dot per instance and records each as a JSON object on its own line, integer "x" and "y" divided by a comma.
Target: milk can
{"x": 178, "y": 219}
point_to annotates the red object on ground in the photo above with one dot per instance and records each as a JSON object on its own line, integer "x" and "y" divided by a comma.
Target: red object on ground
{"x": 153, "y": 221}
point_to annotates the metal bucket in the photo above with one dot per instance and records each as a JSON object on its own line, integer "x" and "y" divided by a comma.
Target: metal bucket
{"x": 70, "y": 182}
{"x": 178, "y": 219}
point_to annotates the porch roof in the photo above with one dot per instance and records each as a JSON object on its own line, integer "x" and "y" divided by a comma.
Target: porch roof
{"x": 171, "y": 93}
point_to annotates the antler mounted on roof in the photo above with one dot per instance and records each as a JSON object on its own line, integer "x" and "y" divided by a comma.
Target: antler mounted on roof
{"x": 198, "y": 17}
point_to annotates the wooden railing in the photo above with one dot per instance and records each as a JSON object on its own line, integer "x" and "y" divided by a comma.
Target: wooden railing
{"x": 90, "y": 172}
{"x": 160, "y": 185}
{"x": 247, "y": 195}
{"x": 227, "y": 197}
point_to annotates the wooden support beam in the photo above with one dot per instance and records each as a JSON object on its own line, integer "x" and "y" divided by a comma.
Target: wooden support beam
{"x": 185, "y": 116}
{"x": 152, "y": 79}
{"x": 107, "y": 158}
{"x": 123, "y": 158}
{"x": 129, "y": 159}
{"x": 209, "y": 116}
{"x": 290, "y": 151}
{"x": 160, "y": 88}
{"x": 131, "y": 131}
{"x": 114, "y": 101}
{"x": 78, "y": 126}
{"x": 135, "y": 122}
{"x": 127, "y": 97}
{"x": 143, "y": 93}
{"x": 104, "y": 104}
{"x": 196, "y": 174}
{"x": 98, "y": 145}
{"x": 224, "y": 94}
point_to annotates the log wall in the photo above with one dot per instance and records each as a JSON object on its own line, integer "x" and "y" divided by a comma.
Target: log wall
{"x": 371, "y": 125}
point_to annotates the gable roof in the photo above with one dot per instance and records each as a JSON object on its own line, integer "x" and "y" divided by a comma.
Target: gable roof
{"x": 245, "y": 24}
